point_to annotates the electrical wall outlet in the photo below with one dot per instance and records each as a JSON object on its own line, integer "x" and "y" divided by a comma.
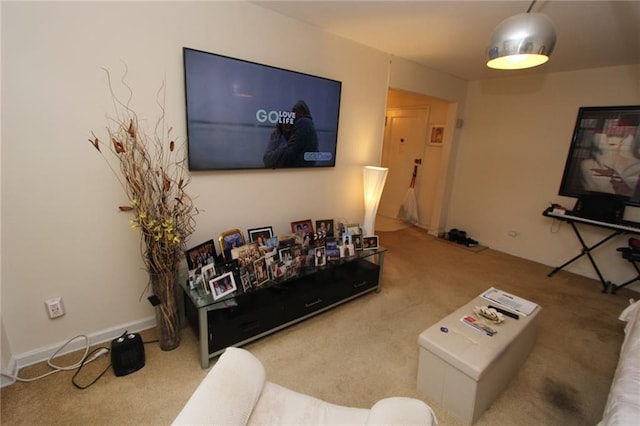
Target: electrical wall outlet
{"x": 55, "y": 307}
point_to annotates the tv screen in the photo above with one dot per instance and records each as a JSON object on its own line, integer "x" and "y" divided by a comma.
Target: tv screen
{"x": 604, "y": 157}
{"x": 244, "y": 115}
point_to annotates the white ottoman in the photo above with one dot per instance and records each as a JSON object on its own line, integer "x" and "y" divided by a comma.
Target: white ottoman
{"x": 465, "y": 370}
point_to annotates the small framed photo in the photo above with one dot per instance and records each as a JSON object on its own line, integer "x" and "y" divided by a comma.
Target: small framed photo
{"x": 246, "y": 254}
{"x": 347, "y": 250}
{"x": 208, "y": 272}
{"x": 340, "y": 227}
{"x": 286, "y": 254}
{"x": 261, "y": 271}
{"x": 347, "y": 238}
{"x": 332, "y": 249}
{"x": 436, "y": 134}
{"x": 228, "y": 240}
{"x": 356, "y": 239}
{"x": 370, "y": 242}
{"x": 320, "y": 256}
{"x": 260, "y": 235}
{"x": 200, "y": 255}
{"x": 354, "y": 228}
{"x": 325, "y": 226}
{"x": 222, "y": 285}
{"x": 302, "y": 227}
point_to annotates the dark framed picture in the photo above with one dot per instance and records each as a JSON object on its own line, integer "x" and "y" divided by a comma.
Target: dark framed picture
{"x": 302, "y": 228}
{"x": 332, "y": 249}
{"x": 356, "y": 239}
{"x": 229, "y": 240}
{"x": 222, "y": 285}
{"x": 260, "y": 235}
{"x": 370, "y": 242}
{"x": 261, "y": 271}
{"x": 200, "y": 255}
{"x": 325, "y": 226}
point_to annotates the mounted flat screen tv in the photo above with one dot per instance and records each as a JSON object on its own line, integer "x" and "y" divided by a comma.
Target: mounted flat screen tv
{"x": 240, "y": 115}
{"x": 604, "y": 158}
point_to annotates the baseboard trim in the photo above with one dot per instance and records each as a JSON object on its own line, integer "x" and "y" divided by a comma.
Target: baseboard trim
{"x": 44, "y": 353}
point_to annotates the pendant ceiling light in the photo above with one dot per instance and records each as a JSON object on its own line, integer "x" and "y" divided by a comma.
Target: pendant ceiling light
{"x": 522, "y": 41}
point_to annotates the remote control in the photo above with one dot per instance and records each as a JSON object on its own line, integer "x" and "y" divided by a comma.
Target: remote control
{"x": 505, "y": 312}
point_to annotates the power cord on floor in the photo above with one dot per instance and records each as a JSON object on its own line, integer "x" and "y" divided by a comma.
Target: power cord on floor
{"x": 86, "y": 359}
{"x": 95, "y": 354}
{"x": 57, "y": 368}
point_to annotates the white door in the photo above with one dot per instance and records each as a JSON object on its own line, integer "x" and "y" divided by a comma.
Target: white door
{"x": 404, "y": 141}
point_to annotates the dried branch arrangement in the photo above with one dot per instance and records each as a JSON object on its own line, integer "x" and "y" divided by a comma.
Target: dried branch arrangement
{"x": 154, "y": 177}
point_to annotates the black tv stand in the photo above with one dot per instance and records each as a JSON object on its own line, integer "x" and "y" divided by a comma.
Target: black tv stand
{"x": 243, "y": 317}
{"x": 618, "y": 227}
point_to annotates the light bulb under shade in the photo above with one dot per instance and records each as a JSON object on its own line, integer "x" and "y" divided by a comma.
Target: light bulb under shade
{"x": 522, "y": 41}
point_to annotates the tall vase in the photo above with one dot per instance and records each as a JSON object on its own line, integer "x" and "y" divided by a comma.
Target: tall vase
{"x": 167, "y": 317}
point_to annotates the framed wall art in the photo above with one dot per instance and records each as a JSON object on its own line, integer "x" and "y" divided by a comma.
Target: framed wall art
{"x": 436, "y": 134}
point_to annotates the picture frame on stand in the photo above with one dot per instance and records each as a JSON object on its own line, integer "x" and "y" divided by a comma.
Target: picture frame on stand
{"x": 370, "y": 242}
{"x": 208, "y": 273}
{"x": 356, "y": 239}
{"x": 229, "y": 240}
{"x": 261, "y": 271}
{"x": 354, "y": 228}
{"x": 222, "y": 285}
{"x": 200, "y": 255}
{"x": 324, "y": 226}
{"x": 302, "y": 228}
{"x": 260, "y": 235}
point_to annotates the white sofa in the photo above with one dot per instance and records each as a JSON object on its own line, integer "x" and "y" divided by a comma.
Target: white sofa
{"x": 236, "y": 392}
{"x": 623, "y": 403}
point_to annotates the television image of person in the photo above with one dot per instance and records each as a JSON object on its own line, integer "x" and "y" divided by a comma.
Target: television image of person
{"x": 294, "y": 147}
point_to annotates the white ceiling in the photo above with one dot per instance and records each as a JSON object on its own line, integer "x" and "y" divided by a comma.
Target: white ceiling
{"x": 452, "y": 36}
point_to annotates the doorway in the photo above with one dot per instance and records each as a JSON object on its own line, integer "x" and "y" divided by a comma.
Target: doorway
{"x": 405, "y": 133}
{"x": 408, "y": 122}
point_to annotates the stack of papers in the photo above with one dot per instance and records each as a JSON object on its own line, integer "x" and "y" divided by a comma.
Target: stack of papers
{"x": 509, "y": 301}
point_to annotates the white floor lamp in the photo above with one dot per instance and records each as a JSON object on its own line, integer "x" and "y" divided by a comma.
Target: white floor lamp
{"x": 374, "y": 178}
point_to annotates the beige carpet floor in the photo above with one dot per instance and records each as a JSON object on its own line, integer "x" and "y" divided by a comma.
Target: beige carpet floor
{"x": 367, "y": 349}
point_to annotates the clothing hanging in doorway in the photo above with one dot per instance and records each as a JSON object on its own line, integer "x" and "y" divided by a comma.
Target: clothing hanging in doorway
{"x": 409, "y": 208}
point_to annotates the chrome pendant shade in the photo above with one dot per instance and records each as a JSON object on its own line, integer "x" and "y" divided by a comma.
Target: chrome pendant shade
{"x": 522, "y": 41}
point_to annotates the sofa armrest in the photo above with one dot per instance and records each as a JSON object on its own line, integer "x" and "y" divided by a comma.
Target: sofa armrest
{"x": 401, "y": 411}
{"x": 228, "y": 393}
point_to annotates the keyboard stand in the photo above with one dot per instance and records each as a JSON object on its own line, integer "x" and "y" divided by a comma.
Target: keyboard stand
{"x": 586, "y": 250}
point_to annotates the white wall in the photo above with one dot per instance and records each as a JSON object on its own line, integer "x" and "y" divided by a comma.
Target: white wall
{"x": 513, "y": 147}
{"x": 62, "y": 234}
